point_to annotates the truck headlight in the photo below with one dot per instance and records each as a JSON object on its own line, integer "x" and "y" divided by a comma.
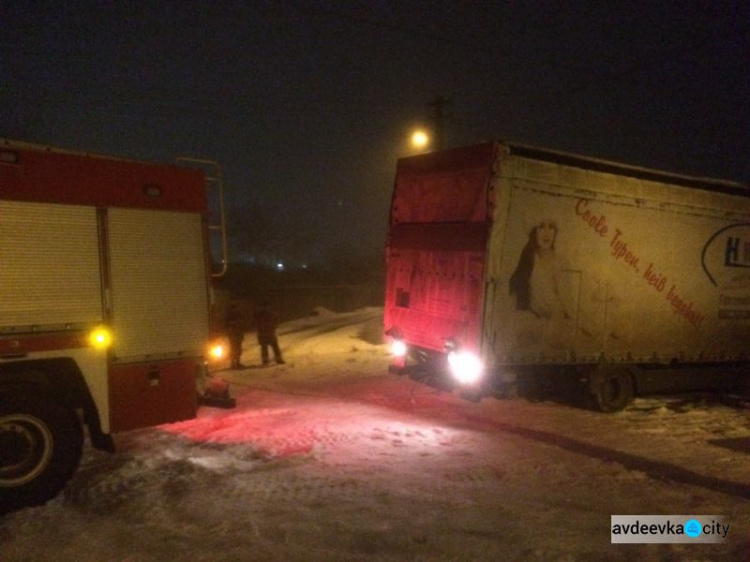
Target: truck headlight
{"x": 398, "y": 348}
{"x": 465, "y": 366}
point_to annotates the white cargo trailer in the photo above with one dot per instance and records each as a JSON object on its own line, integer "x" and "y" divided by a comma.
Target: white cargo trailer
{"x": 507, "y": 262}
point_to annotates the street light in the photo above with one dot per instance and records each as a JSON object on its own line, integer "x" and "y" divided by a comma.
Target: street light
{"x": 420, "y": 139}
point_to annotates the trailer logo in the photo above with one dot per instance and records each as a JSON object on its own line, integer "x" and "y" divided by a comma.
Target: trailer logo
{"x": 727, "y": 250}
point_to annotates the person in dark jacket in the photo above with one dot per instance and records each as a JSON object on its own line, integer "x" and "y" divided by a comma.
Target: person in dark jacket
{"x": 265, "y": 322}
{"x": 235, "y": 326}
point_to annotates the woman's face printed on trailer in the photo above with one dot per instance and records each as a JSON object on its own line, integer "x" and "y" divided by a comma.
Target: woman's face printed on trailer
{"x": 546, "y": 232}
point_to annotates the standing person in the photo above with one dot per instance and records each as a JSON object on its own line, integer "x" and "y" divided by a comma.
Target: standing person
{"x": 235, "y": 324}
{"x": 265, "y": 321}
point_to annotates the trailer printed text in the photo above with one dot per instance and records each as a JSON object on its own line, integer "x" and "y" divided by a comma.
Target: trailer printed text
{"x": 622, "y": 251}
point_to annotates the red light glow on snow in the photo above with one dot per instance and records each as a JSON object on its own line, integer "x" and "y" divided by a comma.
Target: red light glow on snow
{"x": 321, "y": 426}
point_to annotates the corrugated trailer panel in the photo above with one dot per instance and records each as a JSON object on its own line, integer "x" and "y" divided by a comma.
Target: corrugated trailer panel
{"x": 589, "y": 265}
{"x": 48, "y": 281}
{"x": 442, "y": 188}
{"x": 435, "y": 296}
{"x": 159, "y": 295}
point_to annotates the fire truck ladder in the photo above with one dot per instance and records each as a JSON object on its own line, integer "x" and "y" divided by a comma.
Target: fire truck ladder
{"x": 215, "y": 195}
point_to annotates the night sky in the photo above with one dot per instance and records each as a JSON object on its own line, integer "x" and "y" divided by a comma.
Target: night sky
{"x": 308, "y": 104}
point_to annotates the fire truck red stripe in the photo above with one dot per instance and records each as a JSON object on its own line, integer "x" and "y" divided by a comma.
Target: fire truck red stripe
{"x": 30, "y": 343}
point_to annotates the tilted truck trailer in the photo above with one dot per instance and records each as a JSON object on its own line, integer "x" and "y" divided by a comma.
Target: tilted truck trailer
{"x": 511, "y": 263}
{"x": 104, "y": 306}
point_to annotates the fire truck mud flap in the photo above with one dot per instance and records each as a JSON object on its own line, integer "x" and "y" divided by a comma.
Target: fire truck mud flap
{"x": 40, "y": 448}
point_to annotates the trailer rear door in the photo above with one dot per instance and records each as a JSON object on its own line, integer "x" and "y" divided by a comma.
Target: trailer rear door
{"x": 436, "y": 247}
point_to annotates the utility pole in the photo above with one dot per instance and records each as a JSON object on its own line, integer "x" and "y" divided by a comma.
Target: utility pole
{"x": 440, "y": 105}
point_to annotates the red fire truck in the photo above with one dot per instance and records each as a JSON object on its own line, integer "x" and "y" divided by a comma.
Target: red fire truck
{"x": 105, "y": 300}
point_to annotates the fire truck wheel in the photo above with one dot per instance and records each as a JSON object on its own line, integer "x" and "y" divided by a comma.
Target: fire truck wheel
{"x": 613, "y": 390}
{"x": 40, "y": 447}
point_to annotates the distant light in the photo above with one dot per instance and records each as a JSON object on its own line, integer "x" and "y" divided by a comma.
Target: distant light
{"x": 420, "y": 139}
{"x": 280, "y": 266}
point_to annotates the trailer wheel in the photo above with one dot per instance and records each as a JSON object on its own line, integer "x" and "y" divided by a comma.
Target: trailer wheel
{"x": 612, "y": 390}
{"x": 40, "y": 448}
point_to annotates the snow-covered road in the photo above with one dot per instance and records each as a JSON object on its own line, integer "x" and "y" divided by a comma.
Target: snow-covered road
{"x": 329, "y": 457}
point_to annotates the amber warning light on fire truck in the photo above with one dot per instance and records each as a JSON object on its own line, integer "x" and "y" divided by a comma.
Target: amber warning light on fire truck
{"x": 100, "y": 337}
